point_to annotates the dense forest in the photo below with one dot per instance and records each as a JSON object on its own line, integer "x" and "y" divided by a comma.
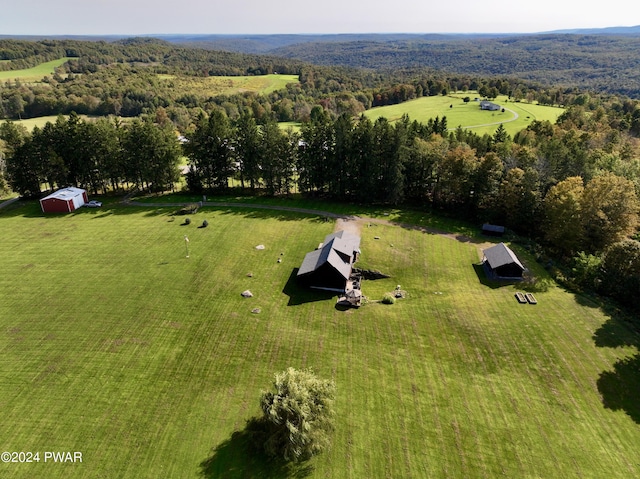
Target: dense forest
{"x": 573, "y": 187}
{"x": 599, "y": 60}
{"x": 603, "y": 63}
{"x": 129, "y": 78}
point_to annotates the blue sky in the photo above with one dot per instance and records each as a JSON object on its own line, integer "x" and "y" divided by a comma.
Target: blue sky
{"x": 130, "y": 17}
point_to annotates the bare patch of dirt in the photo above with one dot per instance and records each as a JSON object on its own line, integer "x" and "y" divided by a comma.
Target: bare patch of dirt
{"x": 351, "y": 225}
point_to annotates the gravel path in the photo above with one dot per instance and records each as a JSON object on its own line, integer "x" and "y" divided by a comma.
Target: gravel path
{"x": 8, "y": 202}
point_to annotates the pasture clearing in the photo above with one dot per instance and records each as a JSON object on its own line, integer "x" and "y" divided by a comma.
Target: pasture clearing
{"x": 517, "y": 115}
{"x": 34, "y": 74}
{"x": 116, "y": 345}
{"x": 41, "y": 121}
{"x": 229, "y": 85}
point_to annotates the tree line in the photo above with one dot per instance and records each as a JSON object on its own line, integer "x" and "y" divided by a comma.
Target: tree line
{"x": 102, "y": 156}
{"x": 485, "y": 177}
{"x": 574, "y": 186}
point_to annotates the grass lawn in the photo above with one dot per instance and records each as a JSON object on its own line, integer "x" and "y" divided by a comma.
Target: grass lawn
{"x": 117, "y": 345}
{"x": 34, "y": 74}
{"x": 293, "y": 125}
{"x": 516, "y": 117}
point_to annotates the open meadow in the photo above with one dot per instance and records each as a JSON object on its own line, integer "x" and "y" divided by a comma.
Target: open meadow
{"x": 117, "y": 345}
{"x": 517, "y": 115}
{"x": 34, "y": 74}
{"x": 229, "y": 85}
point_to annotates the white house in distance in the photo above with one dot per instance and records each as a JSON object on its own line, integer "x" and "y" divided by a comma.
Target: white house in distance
{"x": 65, "y": 200}
{"x": 487, "y": 105}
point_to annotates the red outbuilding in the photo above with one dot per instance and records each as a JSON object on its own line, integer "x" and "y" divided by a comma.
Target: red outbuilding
{"x": 65, "y": 200}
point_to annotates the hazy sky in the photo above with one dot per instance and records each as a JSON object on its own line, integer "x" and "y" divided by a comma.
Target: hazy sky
{"x": 129, "y": 17}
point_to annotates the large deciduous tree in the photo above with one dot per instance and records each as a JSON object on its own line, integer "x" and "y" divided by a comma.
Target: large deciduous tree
{"x": 456, "y": 174}
{"x": 620, "y": 272}
{"x": 563, "y": 226}
{"x": 298, "y": 415}
{"x": 518, "y": 200}
{"x": 610, "y": 211}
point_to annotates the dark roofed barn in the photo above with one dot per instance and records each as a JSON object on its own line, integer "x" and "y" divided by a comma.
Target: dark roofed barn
{"x": 501, "y": 263}
{"x": 329, "y": 267}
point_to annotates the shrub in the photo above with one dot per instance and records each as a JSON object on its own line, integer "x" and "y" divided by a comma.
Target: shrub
{"x": 388, "y": 299}
{"x": 187, "y": 221}
{"x": 189, "y": 209}
{"x": 205, "y": 223}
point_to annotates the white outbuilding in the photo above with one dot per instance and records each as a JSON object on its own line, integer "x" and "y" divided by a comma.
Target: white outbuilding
{"x": 64, "y": 200}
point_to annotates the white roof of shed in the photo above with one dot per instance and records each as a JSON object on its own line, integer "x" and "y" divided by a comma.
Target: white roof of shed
{"x": 65, "y": 193}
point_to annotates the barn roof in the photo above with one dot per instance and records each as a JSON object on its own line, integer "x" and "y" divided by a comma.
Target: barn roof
{"x": 65, "y": 193}
{"x": 343, "y": 242}
{"x": 500, "y": 255}
{"x": 337, "y": 250}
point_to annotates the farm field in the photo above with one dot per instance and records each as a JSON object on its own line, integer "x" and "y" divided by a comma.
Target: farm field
{"x": 228, "y": 85}
{"x": 41, "y": 121}
{"x": 118, "y": 346}
{"x": 517, "y": 115}
{"x": 33, "y": 74}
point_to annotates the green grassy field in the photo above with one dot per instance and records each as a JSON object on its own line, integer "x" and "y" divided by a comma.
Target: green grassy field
{"x": 516, "y": 117}
{"x": 33, "y": 74}
{"x": 293, "y": 125}
{"x": 41, "y": 121}
{"x": 229, "y": 85}
{"x": 118, "y": 346}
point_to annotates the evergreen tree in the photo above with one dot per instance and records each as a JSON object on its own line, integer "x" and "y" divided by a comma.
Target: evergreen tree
{"x": 209, "y": 149}
{"x": 276, "y": 159}
{"x": 247, "y": 150}
{"x": 564, "y": 224}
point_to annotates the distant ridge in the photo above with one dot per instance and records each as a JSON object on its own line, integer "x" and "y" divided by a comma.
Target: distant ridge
{"x": 601, "y": 31}
{"x": 268, "y": 43}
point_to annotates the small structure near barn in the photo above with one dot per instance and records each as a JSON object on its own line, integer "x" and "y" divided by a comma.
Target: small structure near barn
{"x": 487, "y": 105}
{"x": 501, "y": 263}
{"x": 330, "y": 266}
{"x": 64, "y": 200}
{"x": 492, "y": 230}
{"x": 352, "y": 298}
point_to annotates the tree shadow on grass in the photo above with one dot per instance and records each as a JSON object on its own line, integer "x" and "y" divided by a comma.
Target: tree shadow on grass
{"x": 617, "y": 331}
{"x": 239, "y": 458}
{"x": 620, "y": 388}
{"x": 299, "y": 294}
